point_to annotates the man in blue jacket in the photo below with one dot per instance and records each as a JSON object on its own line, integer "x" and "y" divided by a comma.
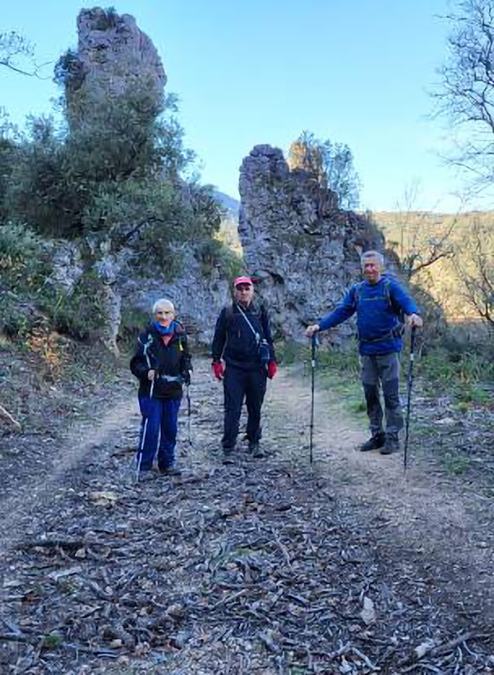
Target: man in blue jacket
{"x": 379, "y": 302}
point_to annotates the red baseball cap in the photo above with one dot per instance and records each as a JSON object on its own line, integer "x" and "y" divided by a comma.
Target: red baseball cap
{"x": 242, "y": 280}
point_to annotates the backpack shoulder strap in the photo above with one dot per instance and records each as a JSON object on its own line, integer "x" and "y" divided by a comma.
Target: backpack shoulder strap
{"x": 145, "y": 339}
{"x": 387, "y": 290}
{"x": 228, "y": 314}
{"x": 397, "y": 310}
{"x": 357, "y": 292}
{"x": 181, "y": 335}
{"x": 263, "y": 314}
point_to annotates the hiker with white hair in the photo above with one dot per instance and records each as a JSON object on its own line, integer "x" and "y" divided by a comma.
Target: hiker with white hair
{"x": 381, "y": 303}
{"x": 161, "y": 363}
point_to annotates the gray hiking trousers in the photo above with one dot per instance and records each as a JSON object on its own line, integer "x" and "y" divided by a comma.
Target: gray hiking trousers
{"x": 382, "y": 370}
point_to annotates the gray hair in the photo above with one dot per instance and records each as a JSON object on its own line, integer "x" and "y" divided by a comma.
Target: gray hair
{"x": 163, "y": 303}
{"x": 372, "y": 255}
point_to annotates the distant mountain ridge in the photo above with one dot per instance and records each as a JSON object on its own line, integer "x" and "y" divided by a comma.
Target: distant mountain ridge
{"x": 391, "y": 223}
{"x": 229, "y": 203}
{"x": 229, "y": 222}
{"x": 385, "y": 219}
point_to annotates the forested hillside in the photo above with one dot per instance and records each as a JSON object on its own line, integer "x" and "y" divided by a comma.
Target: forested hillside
{"x": 450, "y": 256}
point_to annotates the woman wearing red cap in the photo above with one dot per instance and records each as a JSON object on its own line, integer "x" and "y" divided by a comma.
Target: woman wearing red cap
{"x": 242, "y": 338}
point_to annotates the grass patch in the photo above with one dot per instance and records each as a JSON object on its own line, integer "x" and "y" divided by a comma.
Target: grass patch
{"x": 455, "y": 463}
{"x": 461, "y": 374}
{"x": 51, "y": 641}
{"x": 288, "y": 353}
{"x": 457, "y": 369}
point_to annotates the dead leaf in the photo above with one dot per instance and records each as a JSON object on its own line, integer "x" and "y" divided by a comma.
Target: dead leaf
{"x": 103, "y": 497}
{"x": 368, "y": 614}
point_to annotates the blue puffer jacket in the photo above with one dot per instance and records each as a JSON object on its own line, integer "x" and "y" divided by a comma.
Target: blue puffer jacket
{"x": 378, "y": 308}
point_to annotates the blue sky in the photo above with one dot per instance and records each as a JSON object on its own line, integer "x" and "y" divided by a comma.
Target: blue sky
{"x": 250, "y": 72}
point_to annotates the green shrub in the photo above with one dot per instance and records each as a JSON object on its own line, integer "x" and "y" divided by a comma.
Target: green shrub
{"x": 15, "y": 318}
{"x": 79, "y": 313}
{"x": 24, "y": 266}
{"x": 22, "y": 255}
{"x": 65, "y": 182}
{"x": 214, "y": 253}
{"x": 69, "y": 69}
{"x": 133, "y": 321}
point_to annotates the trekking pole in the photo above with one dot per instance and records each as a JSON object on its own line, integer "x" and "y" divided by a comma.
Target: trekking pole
{"x": 409, "y": 396}
{"x": 189, "y": 412}
{"x": 313, "y": 371}
{"x": 145, "y": 426}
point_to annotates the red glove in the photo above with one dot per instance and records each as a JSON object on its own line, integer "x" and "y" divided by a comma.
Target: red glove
{"x": 218, "y": 370}
{"x": 272, "y": 369}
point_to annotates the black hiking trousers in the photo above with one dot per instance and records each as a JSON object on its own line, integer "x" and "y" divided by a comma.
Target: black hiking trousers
{"x": 238, "y": 385}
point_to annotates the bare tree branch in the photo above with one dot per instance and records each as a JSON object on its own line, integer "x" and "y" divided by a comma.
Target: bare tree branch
{"x": 14, "y": 51}
{"x": 465, "y": 95}
{"x": 476, "y": 274}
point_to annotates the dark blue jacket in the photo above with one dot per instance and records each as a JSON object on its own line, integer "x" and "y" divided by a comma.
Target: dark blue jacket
{"x": 378, "y": 308}
{"x": 235, "y": 342}
{"x": 170, "y": 361}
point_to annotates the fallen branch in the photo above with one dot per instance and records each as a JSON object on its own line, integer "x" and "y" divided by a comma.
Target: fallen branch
{"x": 68, "y": 544}
{"x": 5, "y": 413}
{"x": 227, "y": 600}
{"x": 437, "y": 650}
{"x": 14, "y": 637}
{"x": 38, "y": 639}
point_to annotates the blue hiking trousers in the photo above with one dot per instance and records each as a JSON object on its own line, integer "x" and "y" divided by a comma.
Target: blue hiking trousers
{"x": 158, "y": 431}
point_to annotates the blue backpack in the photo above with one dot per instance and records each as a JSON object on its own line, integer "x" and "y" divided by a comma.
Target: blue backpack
{"x": 399, "y": 329}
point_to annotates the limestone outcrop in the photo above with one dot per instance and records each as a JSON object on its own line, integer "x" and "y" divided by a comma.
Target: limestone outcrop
{"x": 198, "y": 297}
{"x": 296, "y": 240}
{"x": 113, "y": 57}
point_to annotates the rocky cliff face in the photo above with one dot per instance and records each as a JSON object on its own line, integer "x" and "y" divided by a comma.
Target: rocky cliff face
{"x": 198, "y": 297}
{"x": 113, "y": 56}
{"x": 295, "y": 239}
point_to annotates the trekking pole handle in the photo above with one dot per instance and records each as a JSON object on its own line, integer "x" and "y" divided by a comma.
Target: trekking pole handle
{"x": 412, "y": 342}
{"x": 315, "y": 343}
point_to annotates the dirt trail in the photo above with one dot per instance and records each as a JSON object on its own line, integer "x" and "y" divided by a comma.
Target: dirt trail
{"x": 79, "y": 445}
{"x": 261, "y": 567}
{"x": 434, "y": 516}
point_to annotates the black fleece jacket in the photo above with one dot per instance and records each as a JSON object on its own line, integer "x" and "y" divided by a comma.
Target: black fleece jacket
{"x": 172, "y": 360}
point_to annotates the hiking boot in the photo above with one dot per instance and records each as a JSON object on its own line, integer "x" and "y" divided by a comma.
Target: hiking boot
{"x": 392, "y": 444}
{"x": 170, "y": 471}
{"x": 145, "y": 475}
{"x": 255, "y": 450}
{"x": 374, "y": 442}
{"x": 228, "y": 456}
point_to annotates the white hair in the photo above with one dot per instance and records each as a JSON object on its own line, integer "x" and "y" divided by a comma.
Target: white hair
{"x": 163, "y": 303}
{"x": 372, "y": 255}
